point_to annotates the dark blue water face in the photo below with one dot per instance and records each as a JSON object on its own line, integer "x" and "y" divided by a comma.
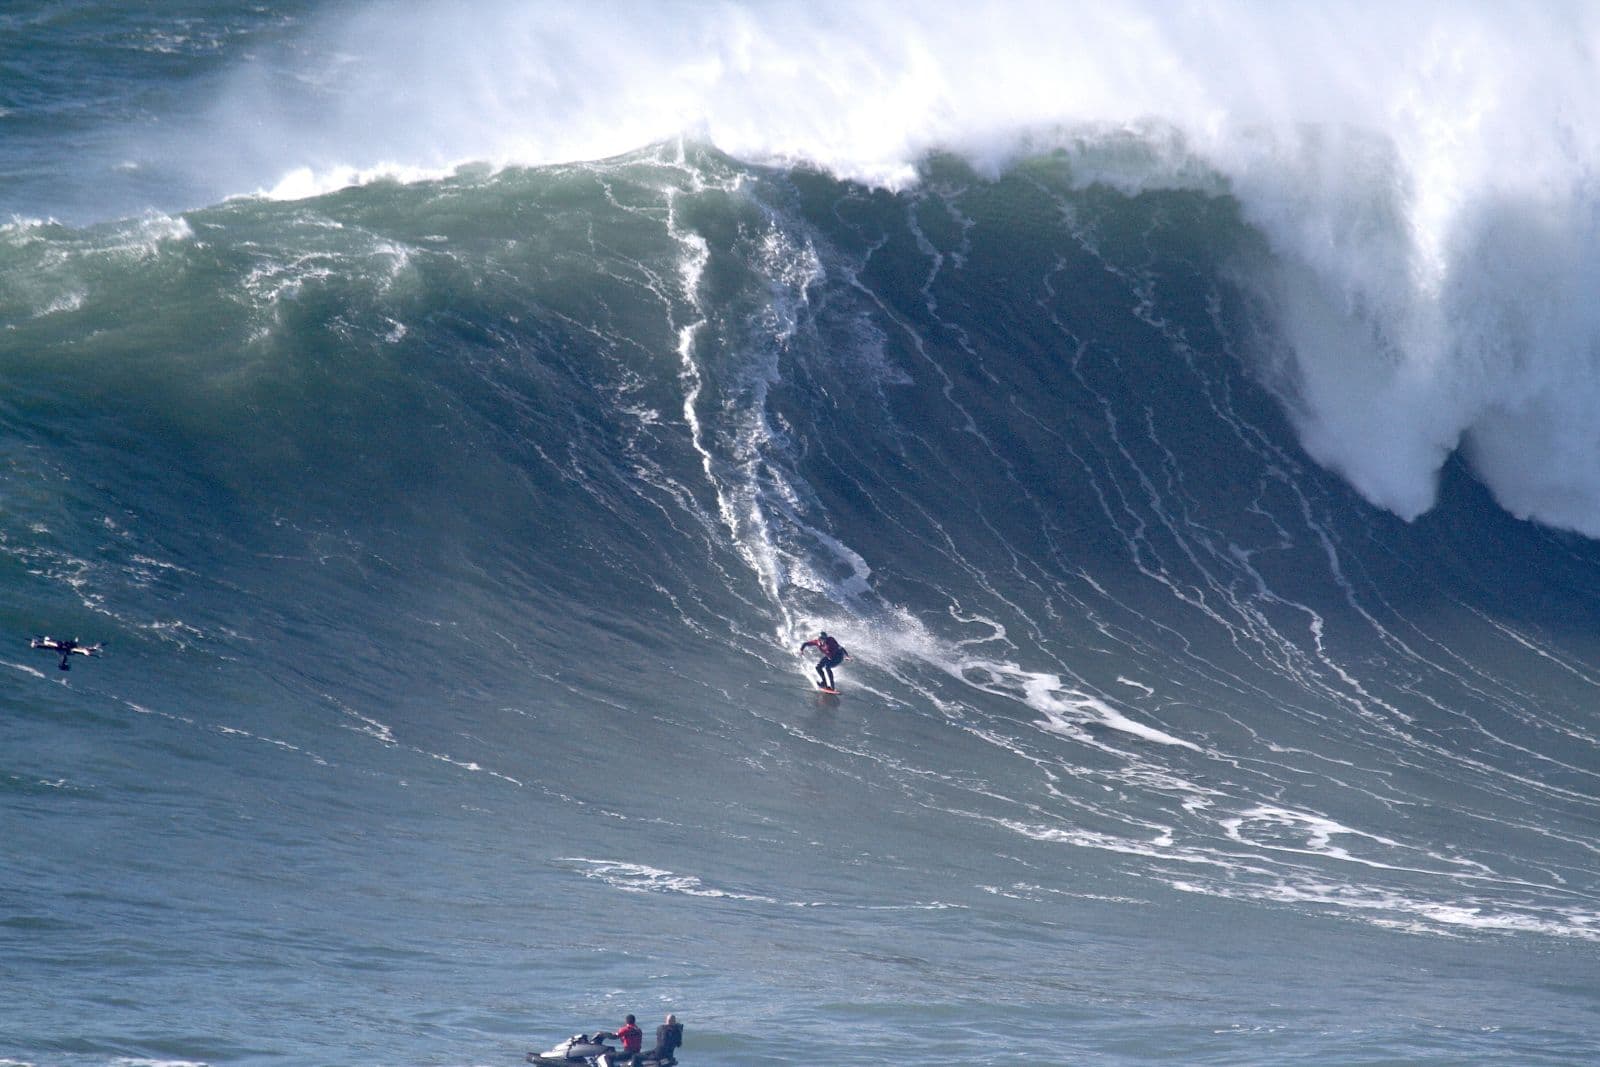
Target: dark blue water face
{"x": 454, "y": 542}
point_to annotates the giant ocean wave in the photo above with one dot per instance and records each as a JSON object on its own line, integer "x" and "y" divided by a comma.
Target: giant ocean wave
{"x": 1192, "y": 454}
{"x": 1003, "y": 432}
{"x": 1420, "y": 172}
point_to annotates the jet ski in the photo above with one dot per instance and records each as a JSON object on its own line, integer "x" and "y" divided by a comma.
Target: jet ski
{"x": 591, "y": 1050}
{"x": 65, "y": 648}
{"x": 578, "y": 1049}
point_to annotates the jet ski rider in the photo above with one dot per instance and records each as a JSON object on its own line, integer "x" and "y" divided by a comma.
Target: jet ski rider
{"x": 631, "y": 1036}
{"x": 669, "y": 1038}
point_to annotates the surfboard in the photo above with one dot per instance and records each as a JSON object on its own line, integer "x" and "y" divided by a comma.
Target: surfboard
{"x": 825, "y": 689}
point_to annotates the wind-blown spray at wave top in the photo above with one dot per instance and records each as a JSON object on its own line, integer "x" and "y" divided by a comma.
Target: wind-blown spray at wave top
{"x": 1420, "y": 173}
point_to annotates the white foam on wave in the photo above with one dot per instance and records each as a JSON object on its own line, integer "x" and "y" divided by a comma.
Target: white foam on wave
{"x": 59, "y": 278}
{"x": 639, "y": 878}
{"x": 1412, "y": 914}
{"x": 1062, "y": 705}
{"x": 1422, "y": 171}
{"x": 893, "y": 638}
{"x": 1247, "y": 875}
{"x": 1279, "y": 829}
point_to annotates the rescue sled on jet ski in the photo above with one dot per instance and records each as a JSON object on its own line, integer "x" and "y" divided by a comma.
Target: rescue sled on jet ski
{"x": 591, "y": 1050}
{"x": 66, "y": 649}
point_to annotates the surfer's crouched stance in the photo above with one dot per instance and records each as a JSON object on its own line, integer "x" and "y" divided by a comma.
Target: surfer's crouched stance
{"x": 66, "y": 648}
{"x": 833, "y": 654}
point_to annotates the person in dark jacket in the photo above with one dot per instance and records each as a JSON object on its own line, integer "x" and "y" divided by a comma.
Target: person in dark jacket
{"x": 669, "y": 1036}
{"x": 833, "y": 654}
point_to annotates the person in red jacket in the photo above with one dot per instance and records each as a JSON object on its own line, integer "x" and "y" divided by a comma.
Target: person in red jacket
{"x": 833, "y": 654}
{"x": 631, "y": 1036}
{"x": 632, "y": 1039}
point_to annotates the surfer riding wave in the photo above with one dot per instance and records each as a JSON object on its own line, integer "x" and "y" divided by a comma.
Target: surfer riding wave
{"x": 833, "y": 654}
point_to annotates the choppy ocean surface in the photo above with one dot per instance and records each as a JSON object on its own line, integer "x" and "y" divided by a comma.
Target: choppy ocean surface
{"x": 452, "y": 418}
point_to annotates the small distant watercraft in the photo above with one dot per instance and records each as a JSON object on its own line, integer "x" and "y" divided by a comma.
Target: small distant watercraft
{"x": 591, "y": 1050}
{"x": 68, "y": 649}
